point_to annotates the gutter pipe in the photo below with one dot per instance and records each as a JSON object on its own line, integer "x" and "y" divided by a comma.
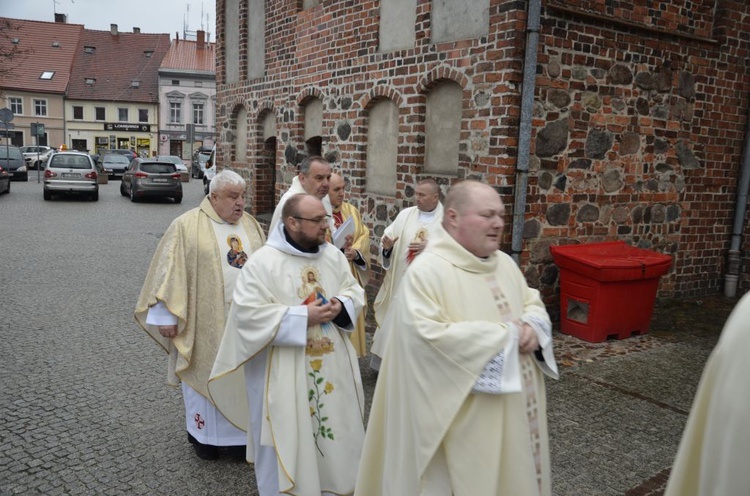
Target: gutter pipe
{"x": 524, "y": 138}
{"x": 733, "y": 259}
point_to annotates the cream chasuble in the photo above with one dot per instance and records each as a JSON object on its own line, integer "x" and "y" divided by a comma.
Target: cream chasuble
{"x": 428, "y": 432}
{"x": 715, "y": 447}
{"x": 295, "y": 189}
{"x": 187, "y": 277}
{"x": 310, "y": 388}
{"x": 407, "y": 227}
{"x": 361, "y": 243}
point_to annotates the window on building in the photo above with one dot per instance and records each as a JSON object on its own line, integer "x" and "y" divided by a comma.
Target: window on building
{"x": 382, "y": 147}
{"x": 199, "y": 84}
{"x": 16, "y": 105}
{"x": 78, "y": 112}
{"x": 313, "y": 110}
{"x": 175, "y": 82}
{"x": 100, "y": 113}
{"x": 40, "y": 107}
{"x": 142, "y": 115}
{"x": 89, "y": 49}
{"x": 47, "y": 75}
{"x": 122, "y": 114}
{"x": 198, "y": 113}
{"x": 175, "y": 112}
{"x": 443, "y": 128}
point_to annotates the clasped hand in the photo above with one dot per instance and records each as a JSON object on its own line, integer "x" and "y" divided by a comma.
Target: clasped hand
{"x": 321, "y": 313}
{"x": 527, "y": 339}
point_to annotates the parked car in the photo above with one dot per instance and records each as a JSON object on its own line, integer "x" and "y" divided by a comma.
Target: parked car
{"x": 209, "y": 170}
{"x": 123, "y": 151}
{"x": 11, "y": 159}
{"x": 4, "y": 181}
{"x": 36, "y": 156}
{"x": 71, "y": 172}
{"x": 199, "y": 162}
{"x": 114, "y": 163}
{"x": 151, "y": 178}
{"x": 174, "y": 159}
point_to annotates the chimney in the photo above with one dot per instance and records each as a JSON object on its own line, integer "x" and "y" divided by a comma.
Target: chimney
{"x": 61, "y": 18}
{"x": 136, "y": 30}
{"x": 177, "y": 36}
{"x": 113, "y": 29}
{"x": 201, "y": 35}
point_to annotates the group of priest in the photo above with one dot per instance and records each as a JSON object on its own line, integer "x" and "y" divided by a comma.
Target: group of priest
{"x": 264, "y": 335}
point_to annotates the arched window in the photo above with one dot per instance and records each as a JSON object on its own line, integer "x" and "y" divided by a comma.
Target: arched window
{"x": 382, "y": 147}
{"x": 443, "y": 128}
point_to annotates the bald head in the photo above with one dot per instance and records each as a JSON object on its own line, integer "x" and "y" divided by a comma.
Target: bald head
{"x": 336, "y": 190}
{"x": 428, "y": 194}
{"x": 473, "y": 216}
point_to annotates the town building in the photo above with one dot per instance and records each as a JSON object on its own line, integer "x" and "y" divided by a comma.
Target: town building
{"x": 34, "y": 80}
{"x": 187, "y": 93}
{"x": 113, "y": 97}
{"x": 595, "y": 121}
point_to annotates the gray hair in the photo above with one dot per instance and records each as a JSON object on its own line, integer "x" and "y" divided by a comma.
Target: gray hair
{"x": 304, "y": 167}
{"x": 225, "y": 178}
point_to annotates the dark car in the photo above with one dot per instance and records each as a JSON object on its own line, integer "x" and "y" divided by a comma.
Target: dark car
{"x": 123, "y": 151}
{"x": 150, "y": 178}
{"x": 11, "y": 159}
{"x": 4, "y": 181}
{"x": 114, "y": 163}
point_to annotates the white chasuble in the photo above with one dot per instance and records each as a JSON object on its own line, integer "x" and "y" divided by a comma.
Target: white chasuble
{"x": 713, "y": 455}
{"x": 306, "y": 379}
{"x": 429, "y": 432}
{"x": 408, "y": 227}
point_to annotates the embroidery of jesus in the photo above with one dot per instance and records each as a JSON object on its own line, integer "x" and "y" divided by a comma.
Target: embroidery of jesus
{"x": 419, "y": 237}
{"x": 318, "y": 341}
{"x": 236, "y": 257}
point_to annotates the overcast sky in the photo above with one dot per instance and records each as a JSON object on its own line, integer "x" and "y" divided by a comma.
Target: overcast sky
{"x": 152, "y": 16}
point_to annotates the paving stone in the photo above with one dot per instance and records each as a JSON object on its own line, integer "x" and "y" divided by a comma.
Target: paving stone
{"x": 87, "y": 411}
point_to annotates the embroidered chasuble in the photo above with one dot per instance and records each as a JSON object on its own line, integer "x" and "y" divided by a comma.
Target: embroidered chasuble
{"x": 187, "y": 276}
{"x": 408, "y": 228}
{"x": 361, "y": 243}
{"x": 713, "y": 455}
{"x": 303, "y": 398}
{"x": 430, "y": 431}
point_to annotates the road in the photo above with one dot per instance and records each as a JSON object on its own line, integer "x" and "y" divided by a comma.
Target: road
{"x": 85, "y": 408}
{"x": 84, "y": 404}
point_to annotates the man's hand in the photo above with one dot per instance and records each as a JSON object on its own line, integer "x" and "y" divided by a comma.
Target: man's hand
{"x": 349, "y": 252}
{"x": 168, "y": 331}
{"x": 321, "y": 313}
{"x": 417, "y": 247}
{"x": 527, "y": 340}
{"x": 387, "y": 242}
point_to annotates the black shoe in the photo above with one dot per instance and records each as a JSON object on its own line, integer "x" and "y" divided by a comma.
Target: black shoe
{"x": 204, "y": 451}
{"x": 237, "y": 452}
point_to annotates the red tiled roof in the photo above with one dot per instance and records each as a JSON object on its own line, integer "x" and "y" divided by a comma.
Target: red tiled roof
{"x": 117, "y": 61}
{"x": 36, "y": 39}
{"x": 185, "y": 55}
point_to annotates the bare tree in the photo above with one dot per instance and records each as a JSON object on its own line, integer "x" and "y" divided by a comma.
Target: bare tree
{"x": 11, "y": 52}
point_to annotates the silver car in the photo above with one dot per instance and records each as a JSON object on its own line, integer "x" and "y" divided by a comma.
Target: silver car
{"x": 114, "y": 163}
{"x": 71, "y": 172}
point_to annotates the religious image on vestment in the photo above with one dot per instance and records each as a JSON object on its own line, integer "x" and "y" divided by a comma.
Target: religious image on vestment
{"x": 419, "y": 237}
{"x": 318, "y": 345}
{"x": 236, "y": 257}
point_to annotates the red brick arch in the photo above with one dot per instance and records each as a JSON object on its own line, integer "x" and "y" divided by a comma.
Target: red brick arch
{"x": 308, "y": 93}
{"x": 442, "y": 73}
{"x": 379, "y": 92}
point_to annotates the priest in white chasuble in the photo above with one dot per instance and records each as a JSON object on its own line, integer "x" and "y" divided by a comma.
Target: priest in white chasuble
{"x": 713, "y": 455}
{"x": 400, "y": 245}
{"x": 459, "y": 408}
{"x": 314, "y": 179}
{"x": 356, "y": 250}
{"x": 186, "y": 296}
{"x": 287, "y": 335}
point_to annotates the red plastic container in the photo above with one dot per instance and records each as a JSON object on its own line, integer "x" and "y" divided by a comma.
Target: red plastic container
{"x": 607, "y": 290}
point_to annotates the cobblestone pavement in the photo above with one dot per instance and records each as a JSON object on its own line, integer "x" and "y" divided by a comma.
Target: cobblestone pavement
{"x": 85, "y": 408}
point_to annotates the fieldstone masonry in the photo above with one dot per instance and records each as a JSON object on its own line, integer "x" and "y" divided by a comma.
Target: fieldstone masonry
{"x": 638, "y": 120}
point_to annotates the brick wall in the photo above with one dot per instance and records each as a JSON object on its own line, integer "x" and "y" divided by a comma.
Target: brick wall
{"x": 638, "y": 127}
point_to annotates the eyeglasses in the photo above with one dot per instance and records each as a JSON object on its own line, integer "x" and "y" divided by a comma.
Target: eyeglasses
{"x": 317, "y": 220}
